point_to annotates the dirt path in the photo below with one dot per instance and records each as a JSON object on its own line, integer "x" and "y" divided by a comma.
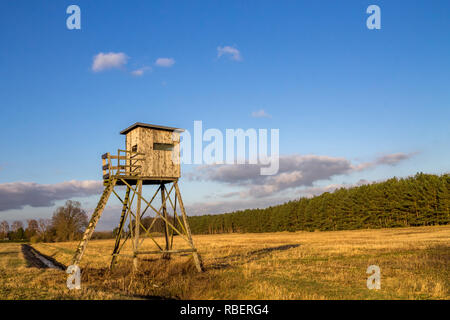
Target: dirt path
{"x": 38, "y": 260}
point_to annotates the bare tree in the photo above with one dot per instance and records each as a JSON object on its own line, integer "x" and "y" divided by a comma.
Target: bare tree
{"x": 44, "y": 228}
{"x": 4, "y": 229}
{"x": 18, "y": 233}
{"x": 16, "y": 225}
{"x": 32, "y": 228}
{"x": 32, "y": 225}
{"x": 69, "y": 221}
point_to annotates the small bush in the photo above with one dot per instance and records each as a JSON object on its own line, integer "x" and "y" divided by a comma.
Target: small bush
{"x": 35, "y": 239}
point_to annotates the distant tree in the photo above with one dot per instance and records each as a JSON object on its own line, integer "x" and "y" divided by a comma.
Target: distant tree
{"x": 4, "y": 229}
{"x": 32, "y": 228}
{"x": 99, "y": 235}
{"x": 69, "y": 221}
{"x": 44, "y": 229}
{"x": 32, "y": 225}
{"x": 17, "y": 232}
{"x": 16, "y": 225}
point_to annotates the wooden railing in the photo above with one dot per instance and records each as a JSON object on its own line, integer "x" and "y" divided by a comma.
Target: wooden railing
{"x": 125, "y": 163}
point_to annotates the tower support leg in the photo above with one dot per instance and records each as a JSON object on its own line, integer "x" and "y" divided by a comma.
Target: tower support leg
{"x": 166, "y": 226}
{"x": 137, "y": 226}
{"x": 196, "y": 256}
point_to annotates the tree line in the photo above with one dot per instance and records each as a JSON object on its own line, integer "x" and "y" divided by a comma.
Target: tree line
{"x": 67, "y": 224}
{"x": 421, "y": 200}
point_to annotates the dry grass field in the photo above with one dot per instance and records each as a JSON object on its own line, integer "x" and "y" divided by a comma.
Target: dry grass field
{"x": 414, "y": 262}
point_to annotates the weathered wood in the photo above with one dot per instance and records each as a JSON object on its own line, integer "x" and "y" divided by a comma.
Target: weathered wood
{"x": 151, "y": 157}
{"x": 175, "y": 217}
{"x": 123, "y": 218}
{"x": 122, "y": 166}
{"x": 134, "y": 154}
{"x": 196, "y": 256}
{"x": 166, "y": 251}
{"x": 157, "y": 163}
{"x": 148, "y": 125}
{"x": 93, "y": 222}
{"x": 137, "y": 224}
{"x": 158, "y": 213}
{"x": 119, "y": 157}
{"x": 166, "y": 226}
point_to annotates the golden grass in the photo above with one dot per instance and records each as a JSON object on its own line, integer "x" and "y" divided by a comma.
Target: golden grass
{"x": 414, "y": 262}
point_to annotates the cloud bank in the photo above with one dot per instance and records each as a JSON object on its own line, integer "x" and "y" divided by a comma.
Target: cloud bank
{"x": 16, "y": 195}
{"x": 295, "y": 171}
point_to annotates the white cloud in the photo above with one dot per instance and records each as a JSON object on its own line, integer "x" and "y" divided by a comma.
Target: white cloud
{"x": 140, "y": 72}
{"x": 111, "y": 60}
{"x": 16, "y": 195}
{"x": 231, "y": 52}
{"x": 394, "y": 158}
{"x": 165, "y": 62}
{"x": 260, "y": 114}
{"x": 388, "y": 159}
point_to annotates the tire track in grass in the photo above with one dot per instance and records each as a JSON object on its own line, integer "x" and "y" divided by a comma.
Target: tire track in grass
{"x": 38, "y": 260}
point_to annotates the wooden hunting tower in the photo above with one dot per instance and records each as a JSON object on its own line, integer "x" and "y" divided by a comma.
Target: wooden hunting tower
{"x": 151, "y": 157}
{"x": 158, "y": 144}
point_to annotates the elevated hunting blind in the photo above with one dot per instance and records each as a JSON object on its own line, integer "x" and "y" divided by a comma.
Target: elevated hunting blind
{"x": 157, "y": 145}
{"x": 151, "y": 157}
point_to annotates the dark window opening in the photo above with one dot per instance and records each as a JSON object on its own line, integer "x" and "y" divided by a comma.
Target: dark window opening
{"x": 163, "y": 146}
{"x": 134, "y": 148}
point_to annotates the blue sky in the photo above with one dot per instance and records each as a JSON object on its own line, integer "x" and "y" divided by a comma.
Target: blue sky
{"x": 333, "y": 87}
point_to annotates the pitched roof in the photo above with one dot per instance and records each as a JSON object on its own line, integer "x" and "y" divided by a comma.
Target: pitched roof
{"x": 151, "y": 126}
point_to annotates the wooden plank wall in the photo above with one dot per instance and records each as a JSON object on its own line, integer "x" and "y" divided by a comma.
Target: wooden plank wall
{"x": 158, "y": 162}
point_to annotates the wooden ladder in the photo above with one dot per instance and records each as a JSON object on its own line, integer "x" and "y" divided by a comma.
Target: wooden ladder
{"x": 93, "y": 222}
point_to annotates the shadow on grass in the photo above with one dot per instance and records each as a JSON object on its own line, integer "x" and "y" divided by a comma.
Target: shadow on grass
{"x": 8, "y": 252}
{"x": 153, "y": 280}
{"x": 226, "y": 262}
